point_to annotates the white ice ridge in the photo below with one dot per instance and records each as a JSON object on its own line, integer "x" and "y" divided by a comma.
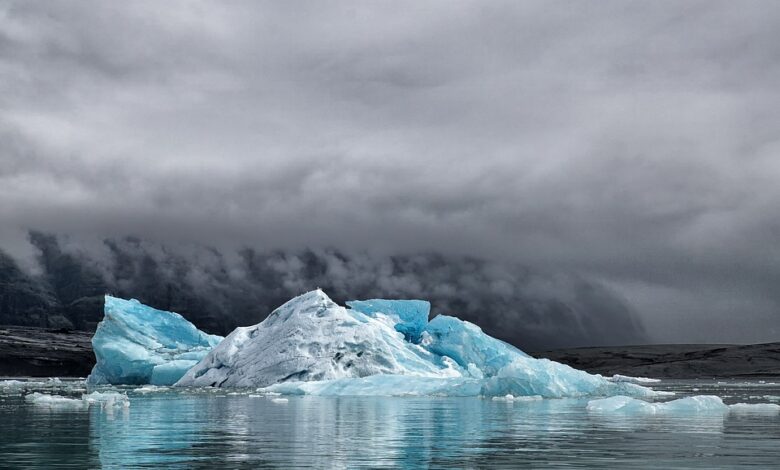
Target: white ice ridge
{"x": 311, "y": 345}
{"x": 136, "y": 344}
{"x": 694, "y": 404}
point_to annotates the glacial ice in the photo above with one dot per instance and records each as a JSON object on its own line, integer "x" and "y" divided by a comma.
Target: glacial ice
{"x": 136, "y": 344}
{"x": 694, "y": 404}
{"x": 310, "y": 345}
{"x": 636, "y": 380}
{"x": 311, "y": 338}
{"x": 410, "y": 316}
{"x": 106, "y": 400}
{"x": 466, "y": 344}
{"x": 54, "y": 401}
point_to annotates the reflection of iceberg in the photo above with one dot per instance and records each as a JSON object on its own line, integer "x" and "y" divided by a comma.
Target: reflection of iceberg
{"x": 136, "y": 344}
{"x": 310, "y": 345}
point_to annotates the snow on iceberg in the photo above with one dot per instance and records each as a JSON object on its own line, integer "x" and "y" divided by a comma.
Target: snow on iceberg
{"x": 310, "y": 345}
{"x": 136, "y": 344}
{"x": 410, "y": 316}
{"x": 311, "y": 338}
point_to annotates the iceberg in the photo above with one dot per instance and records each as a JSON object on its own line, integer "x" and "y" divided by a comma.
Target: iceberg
{"x": 135, "y": 344}
{"x": 310, "y": 345}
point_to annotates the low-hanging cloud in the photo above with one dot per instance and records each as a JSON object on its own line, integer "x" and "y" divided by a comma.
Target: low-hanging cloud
{"x": 220, "y": 289}
{"x": 630, "y": 143}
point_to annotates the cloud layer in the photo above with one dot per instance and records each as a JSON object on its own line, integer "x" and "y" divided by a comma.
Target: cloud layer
{"x": 633, "y": 143}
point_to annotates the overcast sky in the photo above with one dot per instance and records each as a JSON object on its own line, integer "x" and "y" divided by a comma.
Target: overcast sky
{"x": 634, "y": 143}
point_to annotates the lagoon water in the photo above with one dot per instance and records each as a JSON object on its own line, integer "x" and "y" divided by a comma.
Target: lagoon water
{"x": 169, "y": 428}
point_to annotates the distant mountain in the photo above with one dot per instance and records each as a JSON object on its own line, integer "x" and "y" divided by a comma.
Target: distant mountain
{"x": 219, "y": 290}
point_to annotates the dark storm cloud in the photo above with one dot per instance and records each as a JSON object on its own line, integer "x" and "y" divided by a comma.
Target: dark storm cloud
{"x": 635, "y": 143}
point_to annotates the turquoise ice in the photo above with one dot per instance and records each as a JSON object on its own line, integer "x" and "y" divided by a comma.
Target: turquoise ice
{"x": 137, "y": 344}
{"x": 411, "y": 316}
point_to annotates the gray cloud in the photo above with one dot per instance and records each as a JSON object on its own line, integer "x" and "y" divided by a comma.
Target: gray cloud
{"x": 633, "y": 143}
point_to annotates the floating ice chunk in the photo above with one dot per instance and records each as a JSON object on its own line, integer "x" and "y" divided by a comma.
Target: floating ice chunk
{"x": 695, "y": 404}
{"x": 410, "y": 316}
{"x": 758, "y": 408}
{"x": 104, "y": 400}
{"x": 136, "y": 344}
{"x": 310, "y": 338}
{"x": 637, "y": 380}
{"x": 12, "y": 384}
{"x": 107, "y": 399}
{"x": 55, "y": 401}
{"x": 527, "y": 376}
{"x": 149, "y": 389}
{"x": 507, "y": 397}
{"x": 465, "y": 343}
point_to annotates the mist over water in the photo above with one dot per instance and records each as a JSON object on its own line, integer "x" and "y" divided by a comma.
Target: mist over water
{"x": 221, "y": 288}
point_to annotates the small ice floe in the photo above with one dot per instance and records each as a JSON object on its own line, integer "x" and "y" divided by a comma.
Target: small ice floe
{"x": 55, "y": 401}
{"x": 105, "y": 400}
{"x": 12, "y": 384}
{"x": 149, "y": 389}
{"x": 694, "y": 404}
{"x": 629, "y": 379}
{"x": 755, "y": 408}
{"x": 510, "y": 397}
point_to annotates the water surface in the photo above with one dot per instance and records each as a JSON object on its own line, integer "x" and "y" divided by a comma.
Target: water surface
{"x": 220, "y": 428}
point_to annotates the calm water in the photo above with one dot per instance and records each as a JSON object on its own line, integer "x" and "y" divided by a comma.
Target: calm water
{"x": 171, "y": 429}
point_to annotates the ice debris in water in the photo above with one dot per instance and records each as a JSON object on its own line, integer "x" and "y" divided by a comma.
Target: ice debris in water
{"x": 762, "y": 408}
{"x": 105, "y": 400}
{"x": 136, "y": 344}
{"x": 636, "y": 380}
{"x": 54, "y": 401}
{"x": 694, "y": 404}
{"x": 311, "y": 345}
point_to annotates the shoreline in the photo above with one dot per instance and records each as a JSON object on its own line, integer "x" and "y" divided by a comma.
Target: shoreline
{"x": 43, "y": 352}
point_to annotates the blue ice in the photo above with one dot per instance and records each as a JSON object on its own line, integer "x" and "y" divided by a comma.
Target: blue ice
{"x": 137, "y": 344}
{"x": 411, "y": 315}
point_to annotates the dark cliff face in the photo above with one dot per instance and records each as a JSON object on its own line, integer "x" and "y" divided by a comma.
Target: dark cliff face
{"x": 218, "y": 291}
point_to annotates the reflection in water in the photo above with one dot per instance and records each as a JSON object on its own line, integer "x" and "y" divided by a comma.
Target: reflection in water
{"x": 208, "y": 429}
